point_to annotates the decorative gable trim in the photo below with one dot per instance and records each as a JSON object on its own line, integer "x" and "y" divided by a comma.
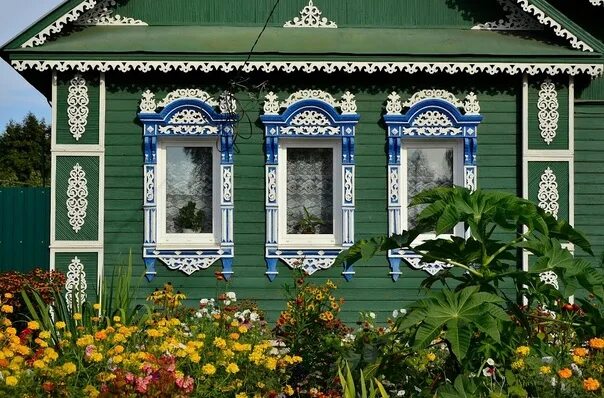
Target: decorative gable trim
{"x": 515, "y": 19}
{"x": 310, "y": 17}
{"x": 545, "y": 20}
{"x": 88, "y": 12}
{"x": 597, "y": 2}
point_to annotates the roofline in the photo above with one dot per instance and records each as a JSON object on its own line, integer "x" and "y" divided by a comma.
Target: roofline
{"x": 491, "y": 68}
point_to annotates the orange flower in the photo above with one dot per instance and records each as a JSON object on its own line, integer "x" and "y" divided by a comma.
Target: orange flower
{"x": 565, "y": 373}
{"x": 580, "y": 352}
{"x": 596, "y": 343}
{"x": 591, "y": 384}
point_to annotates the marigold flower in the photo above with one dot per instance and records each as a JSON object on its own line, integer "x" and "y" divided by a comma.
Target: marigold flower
{"x": 565, "y": 373}
{"x": 208, "y": 369}
{"x": 578, "y": 360}
{"x": 60, "y": 325}
{"x": 596, "y": 343}
{"x": 523, "y": 350}
{"x": 11, "y": 381}
{"x": 288, "y": 390}
{"x": 7, "y": 309}
{"x": 45, "y": 334}
{"x": 77, "y": 316}
{"x": 8, "y": 295}
{"x": 69, "y": 368}
{"x": 219, "y": 342}
{"x": 91, "y": 391}
{"x": 96, "y": 306}
{"x": 33, "y": 325}
{"x": 519, "y": 364}
{"x": 591, "y": 384}
{"x": 39, "y": 364}
{"x": 545, "y": 370}
{"x": 431, "y": 357}
{"x": 241, "y": 395}
{"x": 580, "y": 352}
{"x": 232, "y": 368}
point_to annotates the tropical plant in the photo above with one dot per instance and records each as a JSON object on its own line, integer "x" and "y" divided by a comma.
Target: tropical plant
{"x": 370, "y": 390}
{"x": 308, "y": 223}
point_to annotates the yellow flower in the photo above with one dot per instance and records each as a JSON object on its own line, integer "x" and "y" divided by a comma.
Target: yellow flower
{"x": 242, "y": 329}
{"x": 288, "y": 390}
{"x": 45, "y": 334}
{"x": 77, "y": 316}
{"x": 194, "y": 357}
{"x": 519, "y": 364}
{"x": 11, "y": 381}
{"x": 578, "y": 360}
{"x": 51, "y": 354}
{"x": 96, "y": 357}
{"x": 565, "y": 373}
{"x": 329, "y": 284}
{"x": 241, "y": 395}
{"x": 117, "y": 319}
{"x": 11, "y": 331}
{"x": 523, "y": 350}
{"x": 7, "y": 308}
{"x": 91, "y": 392}
{"x": 431, "y": 357}
{"x": 39, "y": 364}
{"x": 60, "y": 325}
{"x": 96, "y": 306}
{"x": 208, "y": 369}
{"x": 220, "y": 343}
{"x": 8, "y": 295}
{"x": 545, "y": 370}
{"x": 69, "y": 368}
{"x": 33, "y": 325}
{"x": 591, "y": 384}
{"x": 232, "y": 368}
{"x": 596, "y": 343}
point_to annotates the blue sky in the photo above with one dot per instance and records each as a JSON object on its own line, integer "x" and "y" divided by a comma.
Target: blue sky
{"x": 17, "y": 96}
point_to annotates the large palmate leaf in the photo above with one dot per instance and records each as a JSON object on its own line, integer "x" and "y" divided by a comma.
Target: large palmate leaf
{"x": 457, "y": 316}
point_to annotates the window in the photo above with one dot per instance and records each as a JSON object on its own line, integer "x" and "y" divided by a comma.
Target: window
{"x": 309, "y": 179}
{"x": 188, "y": 194}
{"x": 188, "y": 181}
{"x": 431, "y": 144}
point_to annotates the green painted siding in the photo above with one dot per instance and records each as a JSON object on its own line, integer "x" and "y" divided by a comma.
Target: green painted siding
{"x": 91, "y": 135}
{"x": 535, "y": 140}
{"x": 377, "y": 13}
{"x": 589, "y": 172}
{"x": 90, "y": 166}
{"x": 560, "y": 170}
{"x": 90, "y": 263}
{"x": 24, "y": 228}
{"x": 371, "y": 288}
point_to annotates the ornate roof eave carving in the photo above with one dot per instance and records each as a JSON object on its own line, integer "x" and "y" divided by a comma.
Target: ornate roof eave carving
{"x": 597, "y": 2}
{"x": 515, "y": 19}
{"x": 88, "y": 12}
{"x": 491, "y": 68}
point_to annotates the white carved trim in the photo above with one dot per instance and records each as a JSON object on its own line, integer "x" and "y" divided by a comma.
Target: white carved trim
{"x": 227, "y": 184}
{"x": 515, "y": 19}
{"x": 188, "y": 265}
{"x": 347, "y": 105}
{"x": 150, "y": 183}
{"x": 188, "y": 116}
{"x": 310, "y": 17}
{"x": 597, "y": 2}
{"x": 102, "y": 14}
{"x": 431, "y": 268}
{"x": 548, "y": 111}
{"x": 471, "y": 104}
{"x": 271, "y": 185}
{"x": 548, "y": 195}
{"x": 309, "y": 67}
{"x": 348, "y": 185}
{"x": 58, "y": 25}
{"x": 75, "y": 285}
{"x": 549, "y": 278}
{"x": 393, "y": 186}
{"x": 432, "y": 123}
{"x": 188, "y": 93}
{"x": 470, "y": 178}
{"x": 309, "y": 265}
{"x": 310, "y": 122}
{"x": 148, "y": 104}
{"x": 432, "y": 93}
{"x": 558, "y": 29}
{"x": 77, "y": 106}
{"x": 188, "y": 129}
{"x": 77, "y": 194}
{"x": 394, "y": 105}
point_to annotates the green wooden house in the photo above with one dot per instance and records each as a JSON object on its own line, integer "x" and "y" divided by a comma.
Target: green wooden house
{"x": 256, "y": 137}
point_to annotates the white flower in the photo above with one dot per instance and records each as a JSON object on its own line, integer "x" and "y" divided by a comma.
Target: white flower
{"x": 395, "y": 314}
{"x": 400, "y": 393}
{"x": 204, "y": 302}
{"x": 372, "y": 315}
{"x": 490, "y": 362}
{"x": 231, "y": 296}
{"x": 547, "y": 360}
{"x": 576, "y": 369}
{"x": 553, "y": 381}
{"x": 349, "y": 338}
{"x": 254, "y": 316}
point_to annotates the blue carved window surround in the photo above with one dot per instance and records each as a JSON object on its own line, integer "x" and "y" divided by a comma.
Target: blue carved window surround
{"x": 188, "y": 114}
{"x": 309, "y": 115}
{"x": 434, "y": 115}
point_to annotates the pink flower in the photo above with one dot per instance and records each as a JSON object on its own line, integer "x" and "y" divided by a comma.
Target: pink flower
{"x": 89, "y": 350}
{"x": 185, "y": 384}
{"x": 129, "y": 378}
{"x": 142, "y": 384}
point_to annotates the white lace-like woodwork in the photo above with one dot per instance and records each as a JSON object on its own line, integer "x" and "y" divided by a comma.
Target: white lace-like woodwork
{"x": 75, "y": 285}
{"x": 271, "y": 185}
{"x": 150, "y": 185}
{"x": 515, "y": 19}
{"x": 310, "y": 17}
{"x": 312, "y": 66}
{"x": 548, "y": 111}
{"x": 188, "y": 265}
{"x": 347, "y": 105}
{"x": 470, "y": 178}
{"x": 597, "y": 2}
{"x": 227, "y": 184}
{"x": 549, "y": 278}
{"x": 309, "y": 265}
{"x": 431, "y": 268}
{"x": 310, "y": 122}
{"x": 548, "y": 195}
{"x": 77, "y": 194}
{"x": 102, "y": 14}
{"x": 470, "y": 105}
{"x": 348, "y": 185}
{"x": 432, "y": 123}
{"x": 393, "y": 185}
{"x": 77, "y": 107}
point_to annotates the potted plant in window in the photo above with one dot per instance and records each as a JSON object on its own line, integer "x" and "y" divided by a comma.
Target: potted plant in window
{"x": 189, "y": 219}
{"x": 308, "y": 223}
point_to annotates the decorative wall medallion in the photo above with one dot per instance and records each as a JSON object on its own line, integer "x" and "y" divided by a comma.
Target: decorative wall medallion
{"x": 76, "y": 284}
{"x": 189, "y": 265}
{"x": 77, "y": 106}
{"x": 548, "y": 111}
{"x": 166, "y": 66}
{"x": 549, "y": 278}
{"x": 77, "y": 194}
{"x": 310, "y": 17}
{"x": 548, "y": 195}
{"x": 103, "y": 14}
{"x": 309, "y": 265}
{"x": 516, "y": 19}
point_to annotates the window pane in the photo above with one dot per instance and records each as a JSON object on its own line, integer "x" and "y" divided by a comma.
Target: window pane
{"x": 427, "y": 168}
{"x": 309, "y": 191}
{"x": 188, "y": 189}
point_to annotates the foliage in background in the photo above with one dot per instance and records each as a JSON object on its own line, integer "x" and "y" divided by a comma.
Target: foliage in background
{"x": 25, "y": 153}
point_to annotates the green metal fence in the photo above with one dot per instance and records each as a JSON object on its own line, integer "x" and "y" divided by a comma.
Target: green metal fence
{"x": 24, "y": 228}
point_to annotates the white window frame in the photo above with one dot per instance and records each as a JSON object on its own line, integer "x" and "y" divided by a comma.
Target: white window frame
{"x": 190, "y": 240}
{"x": 458, "y": 179}
{"x": 333, "y": 240}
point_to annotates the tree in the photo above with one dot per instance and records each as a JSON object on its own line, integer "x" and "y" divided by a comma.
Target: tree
{"x": 25, "y": 153}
